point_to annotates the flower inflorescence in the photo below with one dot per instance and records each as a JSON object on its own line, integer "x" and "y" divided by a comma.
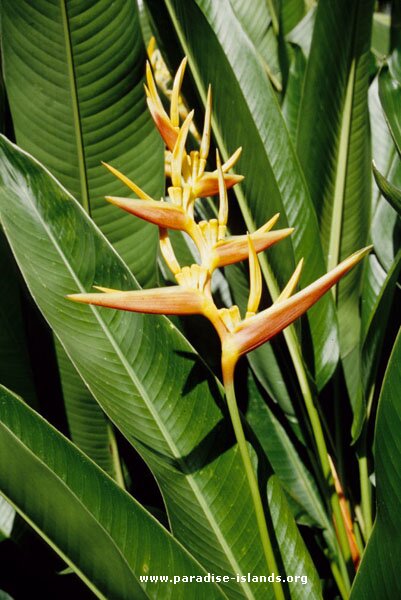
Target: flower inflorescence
{"x": 190, "y": 181}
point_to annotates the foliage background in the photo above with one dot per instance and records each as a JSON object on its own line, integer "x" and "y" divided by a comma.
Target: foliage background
{"x": 300, "y": 89}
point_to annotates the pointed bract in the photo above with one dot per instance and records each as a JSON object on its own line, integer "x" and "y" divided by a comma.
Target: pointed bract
{"x": 235, "y": 249}
{"x": 163, "y": 124}
{"x": 162, "y": 214}
{"x": 140, "y": 193}
{"x": 173, "y": 300}
{"x": 208, "y": 184}
{"x": 175, "y": 96}
{"x": 292, "y": 284}
{"x": 262, "y": 327}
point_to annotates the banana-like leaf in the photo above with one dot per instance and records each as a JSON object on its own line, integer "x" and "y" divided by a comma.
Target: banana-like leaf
{"x": 293, "y": 93}
{"x": 390, "y": 192}
{"x": 89, "y": 427}
{"x": 374, "y": 324}
{"x": 295, "y": 478}
{"x": 376, "y": 300}
{"x": 102, "y": 533}
{"x": 246, "y": 113}
{"x": 73, "y": 106}
{"x": 381, "y": 35}
{"x": 258, "y": 24}
{"x": 302, "y": 34}
{"x": 378, "y": 575}
{"x": 146, "y": 377}
{"x": 386, "y": 226}
{"x": 333, "y": 142}
{"x": 7, "y": 516}
{"x": 390, "y": 97}
{"x": 291, "y": 13}
{"x": 383, "y": 149}
{"x": 144, "y": 21}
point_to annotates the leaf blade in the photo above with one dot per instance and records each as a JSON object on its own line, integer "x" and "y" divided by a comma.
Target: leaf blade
{"x": 379, "y": 566}
{"x": 80, "y": 508}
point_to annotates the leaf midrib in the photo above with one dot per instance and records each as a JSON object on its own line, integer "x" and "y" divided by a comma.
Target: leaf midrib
{"x": 83, "y": 181}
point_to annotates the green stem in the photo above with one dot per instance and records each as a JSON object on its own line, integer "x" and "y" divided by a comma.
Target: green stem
{"x": 344, "y": 592}
{"x": 274, "y": 16}
{"x": 320, "y": 446}
{"x": 118, "y": 473}
{"x": 366, "y": 496}
{"x": 228, "y": 375}
{"x": 338, "y": 421}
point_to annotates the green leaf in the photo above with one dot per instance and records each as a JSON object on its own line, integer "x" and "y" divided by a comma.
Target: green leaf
{"x": 293, "y": 93}
{"x": 386, "y": 230}
{"x": 89, "y": 427}
{"x": 378, "y": 288}
{"x": 295, "y": 478}
{"x": 74, "y": 79}
{"x": 70, "y": 502}
{"x": 391, "y": 192}
{"x": 295, "y": 557}
{"x": 144, "y": 21}
{"x": 390, "y": 97}
{"x": 246, "y": 113}
{"x": 291, "y": 13}
{"x": 378, "y": 574}
{"x": 383, "y": 149}
{"x": 386, "y": 227}
{"x": 381, "y": 35}
{"x": 333, "y": 141}
{"x": 143, "y": 373}
{"x": 7, "y": 516}
{"x": 257, "y": 23}
{"x": 375, "y": 322}
{"x": 302, "y": 34}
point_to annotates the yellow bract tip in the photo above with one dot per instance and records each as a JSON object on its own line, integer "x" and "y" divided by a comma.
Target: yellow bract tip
{"x": 175, "y": 96}
{"x": 292, "y": 284}
{"x": 255, "y": 284}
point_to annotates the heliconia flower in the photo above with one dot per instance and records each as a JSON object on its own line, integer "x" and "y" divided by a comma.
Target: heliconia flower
{"x": 237, "y": 336}
{"x": 192, "y": 294}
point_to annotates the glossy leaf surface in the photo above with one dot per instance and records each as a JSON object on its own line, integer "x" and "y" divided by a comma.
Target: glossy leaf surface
{"x": 88, "y": 426}
{"x": 89, "y": 107}
{"x": 333, "y": 140}
{"x": 285, "y": 460}
{"x": 7, "y": 516}
{"x": 73, "y": 505}
{"x": 378, "y": 575}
